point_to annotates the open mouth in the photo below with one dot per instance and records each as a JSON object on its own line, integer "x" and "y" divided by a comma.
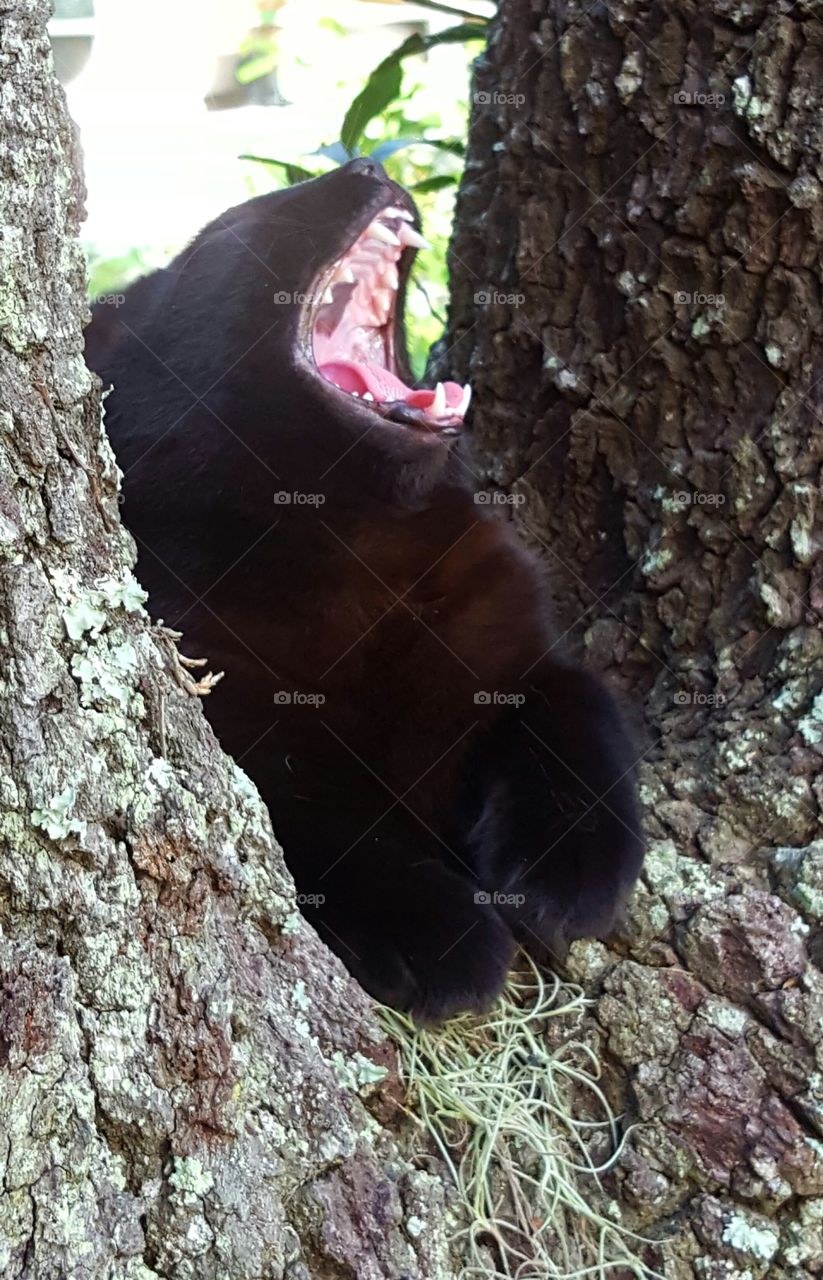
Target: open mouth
{"x": 353, "y": 328}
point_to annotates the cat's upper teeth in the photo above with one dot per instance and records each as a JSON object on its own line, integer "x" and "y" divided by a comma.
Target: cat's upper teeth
{"x": 394, "y": 211}
{"x": 409, "y": 236}
{"x": 380, "y": 232}
{"x": 382, "y": 300}
{"x": 372, "y": 262}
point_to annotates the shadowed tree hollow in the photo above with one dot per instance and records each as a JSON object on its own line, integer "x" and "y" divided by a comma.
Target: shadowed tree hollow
{"x": 187, "y": 1078}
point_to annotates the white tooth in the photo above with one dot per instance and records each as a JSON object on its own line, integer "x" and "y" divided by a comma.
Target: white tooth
{"x": 356, "y": 394}
{"x": 396, "y": 212}
{"x": 367, "y": 395}
{"x": 328, "y": 296}
{"x": 438, "y": 408}
{"x": 409, "y": 236}
{"x": 344, "y": 275}
{"x": 463, "y": 408}
{"x": 390, "y": 276}
{"x": 378, "y": 232}
{"x": 382, "y": 299}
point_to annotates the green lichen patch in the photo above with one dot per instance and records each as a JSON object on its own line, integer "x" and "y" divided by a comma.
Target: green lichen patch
{"x": 106, "y": 671}
{"x": 55, "y": 817}
{"x": 86, "y": 610}
{"x": 357, "y": 1072}
{"x": 189, "y": 1178}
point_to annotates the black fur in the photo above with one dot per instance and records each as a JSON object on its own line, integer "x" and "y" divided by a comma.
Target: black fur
{"x": 425, "y": 827}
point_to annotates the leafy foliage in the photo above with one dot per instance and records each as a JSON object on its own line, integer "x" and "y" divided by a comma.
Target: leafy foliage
{"x": 111, "y": 275}
{"x": 384, "y": 85}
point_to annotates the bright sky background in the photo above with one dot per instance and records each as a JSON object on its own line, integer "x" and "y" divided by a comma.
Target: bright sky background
{"x": 158, "y": 164}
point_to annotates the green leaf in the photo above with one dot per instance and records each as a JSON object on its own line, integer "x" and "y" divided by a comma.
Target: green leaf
{"x": 460, "y": 34}
{"x": 454, "y": 146}
{"x": 435, "y": 184}
{"x": 381, "y": 88}
{"x": 329, "y": 24}
{"x": 384, "y": 85}
{"x": 256, "y": 66}
{"x": 294, "y": 172}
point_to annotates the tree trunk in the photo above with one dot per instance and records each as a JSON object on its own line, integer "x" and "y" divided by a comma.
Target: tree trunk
{"x": 185, "y": 1072}
{"x": 637, "y": 282}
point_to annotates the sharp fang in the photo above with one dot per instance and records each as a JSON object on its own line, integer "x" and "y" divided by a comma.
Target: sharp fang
{"x": 345, "y": 276}
{"x": 409, "y": 236}
{"x": 382, "y": 299}
{"x": 379, "y": 232}
{"x": 328, "y": 296}
{"x": 390, "y": 275}
{"x": 463, "y": 408}
{"x": 395, "y": 212}
{"x": 367, "y": 395}
{"x": 439, "y": 403}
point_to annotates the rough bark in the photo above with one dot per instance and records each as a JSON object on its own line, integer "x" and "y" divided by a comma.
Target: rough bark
{"x": 186, "y": 1074}
{"x": 637, "y": 302}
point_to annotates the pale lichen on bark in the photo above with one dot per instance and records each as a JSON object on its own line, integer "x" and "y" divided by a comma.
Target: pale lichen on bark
{"x": 636, "y": 279}
{"x": 184, "y": 1069}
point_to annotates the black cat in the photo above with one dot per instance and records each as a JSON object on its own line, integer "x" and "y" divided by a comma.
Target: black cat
{"x": 441, "y": 781}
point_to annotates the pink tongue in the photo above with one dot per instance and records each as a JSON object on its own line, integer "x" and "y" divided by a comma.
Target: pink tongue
{"x": 351, "y": 375}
